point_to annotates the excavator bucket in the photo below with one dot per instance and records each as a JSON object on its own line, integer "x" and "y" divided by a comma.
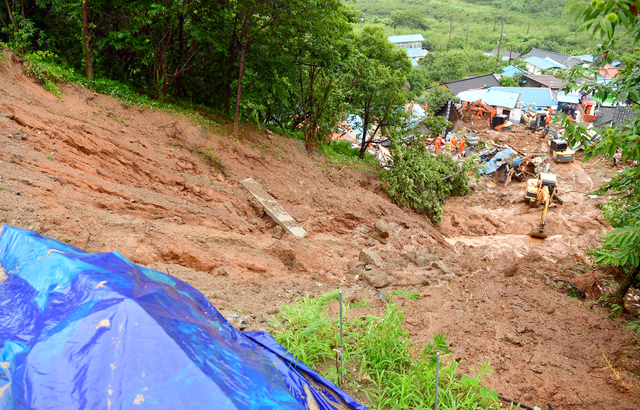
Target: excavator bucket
{"x": 539, "y": 233}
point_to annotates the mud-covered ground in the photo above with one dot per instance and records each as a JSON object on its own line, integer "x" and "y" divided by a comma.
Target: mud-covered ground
{"x": 98, "y": 175}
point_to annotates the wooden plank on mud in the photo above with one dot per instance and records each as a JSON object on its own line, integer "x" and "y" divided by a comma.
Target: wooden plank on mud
{"x": 273, "y": 208}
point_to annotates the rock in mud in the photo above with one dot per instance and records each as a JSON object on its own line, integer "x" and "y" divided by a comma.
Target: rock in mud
{"x": 348, "y": 297}
{"x": 422, "y": 261}
{"x": 370, "y": 258}
{"x": 441, "y": 266}
{"x": 382, "y": 228}
{"x": 277, "y": 232}
{"x": 510, "y": 338}
{"x": 235, "y": 319}
{"x": 377, "y": 279}
{"x": 510, "y": 271}
{"x": 257, "y": 207}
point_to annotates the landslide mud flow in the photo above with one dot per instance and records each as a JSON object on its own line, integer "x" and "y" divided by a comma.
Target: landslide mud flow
{"x": 90, "y": 172}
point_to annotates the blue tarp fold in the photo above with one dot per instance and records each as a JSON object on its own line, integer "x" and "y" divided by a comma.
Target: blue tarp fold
{"x": 95, "y": 331}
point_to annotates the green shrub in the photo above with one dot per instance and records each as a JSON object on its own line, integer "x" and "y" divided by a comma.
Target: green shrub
{"x": 421, "y": 181}
{"x": 380, "y": 359}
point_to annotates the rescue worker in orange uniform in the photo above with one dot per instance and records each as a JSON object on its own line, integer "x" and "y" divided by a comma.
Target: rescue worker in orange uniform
{"x": 454, "y": 141}
{"x": 436, "y": 144}
{"x": 461, "y": 146}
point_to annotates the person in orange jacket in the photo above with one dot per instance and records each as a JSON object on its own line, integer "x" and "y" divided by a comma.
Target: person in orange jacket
{"x": 454, "y": 141}
{"x": 436, "y": 144}
{"x": 480, "y": 112}
{"x": 461, "y": 145}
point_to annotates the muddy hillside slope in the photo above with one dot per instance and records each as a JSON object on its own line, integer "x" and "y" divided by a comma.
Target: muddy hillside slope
{"x": 92, "y": 172}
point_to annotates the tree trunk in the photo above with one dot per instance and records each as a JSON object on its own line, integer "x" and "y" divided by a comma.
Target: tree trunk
{"x": 309, "y": 120}
{"x": 243, "y": 55}
{"x": 232, "y": 59}
{"x": 178, "y": 77}
{"x": 365, "y": 125}
{"x": 15, "y": 28}
{"x": 85, "y": 39}
{"x": 618, "y": 296}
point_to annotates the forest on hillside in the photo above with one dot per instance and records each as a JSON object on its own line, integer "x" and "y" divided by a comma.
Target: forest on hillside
{"x": 296, "y": 64}
{"x": 477, "y": 25}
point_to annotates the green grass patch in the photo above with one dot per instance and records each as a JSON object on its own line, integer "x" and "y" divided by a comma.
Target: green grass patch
{"x": 407, "y": 294}
{"x": 341, "y": 153}
{"x": 384, "y": 368}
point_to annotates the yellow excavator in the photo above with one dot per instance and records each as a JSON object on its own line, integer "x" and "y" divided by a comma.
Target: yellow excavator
{"x": 542, "y": 191}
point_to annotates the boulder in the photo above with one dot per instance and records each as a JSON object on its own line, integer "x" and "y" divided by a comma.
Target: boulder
{"x": 370, "y": 258}
{"x": 377, "y": 279}
{"x": 441, "y": 266}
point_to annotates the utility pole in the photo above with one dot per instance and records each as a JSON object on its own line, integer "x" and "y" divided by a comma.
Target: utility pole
{"x": 450, "y": 30}
{"x": 510, "y": 50}
{"x": 528, "y": 28}
{"x": 467, "y": 39}
{"x": 499, "y": 45}
{"x": 494, "y": 23}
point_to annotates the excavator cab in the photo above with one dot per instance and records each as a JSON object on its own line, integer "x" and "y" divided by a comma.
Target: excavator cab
{"x": 560, "y": 151}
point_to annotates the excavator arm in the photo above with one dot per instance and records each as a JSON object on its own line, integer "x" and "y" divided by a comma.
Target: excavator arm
{"x": 543, "y": 197}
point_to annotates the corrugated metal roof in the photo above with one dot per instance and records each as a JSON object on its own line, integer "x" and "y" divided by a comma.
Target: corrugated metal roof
{"x": 500, "y": 98}
{"x": 406, "y": 38}
{"x": 542, "y": 97}
{"x": 472, "y": 95}
{"x": 491, "y": 96}
{"x": 510, "y": 70}
{"x": 472, "y": 83}
{"x": 571, "y": 98}
{"x": 542, "y": 63}
{"x": 548, "y": 81}
{"x": 585, "y": 57}
{"x": 416, "y": 52}
{"x": 564, "y": 60}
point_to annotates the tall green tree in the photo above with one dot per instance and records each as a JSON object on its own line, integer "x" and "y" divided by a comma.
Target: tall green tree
{"x": 378, "y": 87}
{"x": 614, "y": 21}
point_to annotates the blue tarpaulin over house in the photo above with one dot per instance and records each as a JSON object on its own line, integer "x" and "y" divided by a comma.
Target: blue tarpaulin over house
{"x": 95, "y": 331}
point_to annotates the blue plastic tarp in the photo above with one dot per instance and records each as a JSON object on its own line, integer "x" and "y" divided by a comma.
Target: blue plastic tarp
{"x": 502, "y": 157}
{"x": 95, "y": 331}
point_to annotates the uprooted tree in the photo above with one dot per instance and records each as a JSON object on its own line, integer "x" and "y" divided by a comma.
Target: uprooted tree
{"x": 614, "y": 20}
{"x": 420, "y": 180}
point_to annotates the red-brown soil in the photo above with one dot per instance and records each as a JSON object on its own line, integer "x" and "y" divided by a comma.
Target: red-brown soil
{"x": 93, "y": 173}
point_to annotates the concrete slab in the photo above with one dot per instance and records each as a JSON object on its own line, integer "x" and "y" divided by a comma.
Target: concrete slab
{"x": 273, "y": 208}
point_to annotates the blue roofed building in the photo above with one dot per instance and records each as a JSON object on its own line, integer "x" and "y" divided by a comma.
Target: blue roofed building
{"x": 542, "y": 97}
{"x": 413, "y": 44}
{"x": 510, "y": 70}
{"x": 407, "y": 40}
{"x": 505, "y": 99}
{"x": 536, "y": 65}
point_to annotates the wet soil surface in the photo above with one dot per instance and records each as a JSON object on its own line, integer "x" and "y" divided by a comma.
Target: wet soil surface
{"x": 91, "y": 172}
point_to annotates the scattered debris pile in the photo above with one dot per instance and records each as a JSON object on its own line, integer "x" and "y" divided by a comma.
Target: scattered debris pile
{"x": 506, "y": 163}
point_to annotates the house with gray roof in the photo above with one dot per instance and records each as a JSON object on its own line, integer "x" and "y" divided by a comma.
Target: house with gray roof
{"x": 511, "y": 55}
{"x": 471, "y": 83}
{"x": 565, "y": 60}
